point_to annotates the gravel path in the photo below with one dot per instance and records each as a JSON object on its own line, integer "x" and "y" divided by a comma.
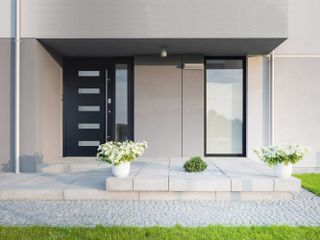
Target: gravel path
{"x": 302, "y": 209}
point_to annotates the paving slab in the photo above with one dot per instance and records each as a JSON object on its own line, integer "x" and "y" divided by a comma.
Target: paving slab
{"x": 53, "y": 168}
{"x": 11, "y": 179}
{"x": 244, "y": 178}
{"x": 212, "y": 180}
{"x": 124, "y": 184}
{"x": 38, "y": 181}
{"x": 97, "y": 182}
{"x": 87, "y": 167}
{"x": 261, "y": 167}
{"x": 154, "y": 179}
{"x": 72, "y": 164}
{"x": 153, "y": 176}
{"x": 291, "y": 184}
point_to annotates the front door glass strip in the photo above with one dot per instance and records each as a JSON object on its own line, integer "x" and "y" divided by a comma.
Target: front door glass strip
{"x": 89, "y": 108}
{"x": 89, "y": 90}
{"x": 89, "y": 126}
{"x": 88, "y": 143}
{"x": 88, "y": 73}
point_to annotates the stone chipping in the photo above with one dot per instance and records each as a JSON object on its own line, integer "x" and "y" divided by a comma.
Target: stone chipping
{"x": 302, "y": 209}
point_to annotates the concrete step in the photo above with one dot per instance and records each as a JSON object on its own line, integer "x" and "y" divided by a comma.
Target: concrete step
{"x": 149, "y": 179}
{"x": 72, "y": 165}
{"x": 97, "y": 194}
{"x": 223, "y": 180}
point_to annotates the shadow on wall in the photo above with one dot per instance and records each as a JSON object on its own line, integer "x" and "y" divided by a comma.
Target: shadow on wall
{"x": 57, "y": 57}
{"x": 6, "y": 167}
{"x": 10, "y": 165}
{"x": 28, "y": 163}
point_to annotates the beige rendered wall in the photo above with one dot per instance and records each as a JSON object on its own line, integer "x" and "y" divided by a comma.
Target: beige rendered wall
{"x": 297, "y": 87}
{"x": 41, "y": 106}
{"x": 6, "y": 104}
{"x": 168, "y": 106}
{"x": 257, "y": 103}
{"x": 6, "y": 85}
{"x": 297, "y": 81}
{"x": 157, "y": 105}
{"x": 193, "y": 109}
{"x": 297, "y": 105}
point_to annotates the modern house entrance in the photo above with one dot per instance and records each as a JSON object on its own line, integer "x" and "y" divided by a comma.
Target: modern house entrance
{"x": 215, "y": 57}
{"x": 97, "y": 103}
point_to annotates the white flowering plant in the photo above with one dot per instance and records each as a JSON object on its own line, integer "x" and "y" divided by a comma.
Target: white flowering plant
{"x": 116, "y": 153}
{"x": 272, "y": 155}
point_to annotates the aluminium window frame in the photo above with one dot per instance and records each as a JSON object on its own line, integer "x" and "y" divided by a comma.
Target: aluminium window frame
{"x": 244, "y": 106}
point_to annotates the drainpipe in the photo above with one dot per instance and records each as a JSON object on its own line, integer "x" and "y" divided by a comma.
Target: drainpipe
{"x": 271, "y": 100}
{"x": 17, "y": 89}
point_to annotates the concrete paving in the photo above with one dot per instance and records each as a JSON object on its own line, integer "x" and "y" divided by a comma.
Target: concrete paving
{"x": 222, "y": 175}
{"x": 301, "y": 210}
{"x": 152, "y": 179}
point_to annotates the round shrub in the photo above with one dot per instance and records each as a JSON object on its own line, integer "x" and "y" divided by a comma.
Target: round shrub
{"x": 195, "y": 164}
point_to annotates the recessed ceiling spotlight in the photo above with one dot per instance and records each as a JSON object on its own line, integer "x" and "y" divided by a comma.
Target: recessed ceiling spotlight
{"x": 163, "y": 53}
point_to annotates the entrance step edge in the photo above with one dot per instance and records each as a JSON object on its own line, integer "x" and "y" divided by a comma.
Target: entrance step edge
{"x": 72, "y": 165}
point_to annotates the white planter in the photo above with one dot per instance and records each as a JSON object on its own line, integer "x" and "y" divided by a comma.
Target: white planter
{"x": 282, "y": 171}
{"x": 122, "y": 170}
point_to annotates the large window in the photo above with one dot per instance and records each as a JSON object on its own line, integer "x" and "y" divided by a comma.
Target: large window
{"x": 225, "y": 101}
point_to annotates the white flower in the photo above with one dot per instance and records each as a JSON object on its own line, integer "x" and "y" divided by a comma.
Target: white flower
{"x": 117, "y": 152}
{"x": 286, "y": 154}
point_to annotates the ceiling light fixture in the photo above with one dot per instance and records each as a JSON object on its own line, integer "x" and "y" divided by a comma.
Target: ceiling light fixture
{"x": 163, "y": 53}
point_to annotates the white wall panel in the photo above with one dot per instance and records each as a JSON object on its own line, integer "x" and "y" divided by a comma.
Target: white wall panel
{"x": 7, "y": 17}
{"x": 157, "y": 117}
{"x": 193, "y": 109}
{"x": 297, "y": 105}
{"x": 303, "y": 28}
{"x": 257, "y": 104}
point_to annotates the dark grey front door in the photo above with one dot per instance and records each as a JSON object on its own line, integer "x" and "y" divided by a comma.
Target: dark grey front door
{"x": 89, "y": 103}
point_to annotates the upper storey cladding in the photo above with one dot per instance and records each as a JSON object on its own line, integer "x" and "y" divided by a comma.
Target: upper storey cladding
{"x": 141, "y": 19}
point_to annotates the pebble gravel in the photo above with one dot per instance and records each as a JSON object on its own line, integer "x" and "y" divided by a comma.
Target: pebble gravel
{"x": 302, "y": 209}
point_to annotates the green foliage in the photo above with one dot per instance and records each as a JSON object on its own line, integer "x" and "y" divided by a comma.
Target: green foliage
{"x": 160, "y": 233}
{"x": 310, "y": 181}
{"x": 195, "y": 164}
{"x": 272, "y": 155}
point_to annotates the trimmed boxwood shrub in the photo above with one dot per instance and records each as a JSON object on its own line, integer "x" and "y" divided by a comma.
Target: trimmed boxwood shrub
{"x": 195, "y": 164}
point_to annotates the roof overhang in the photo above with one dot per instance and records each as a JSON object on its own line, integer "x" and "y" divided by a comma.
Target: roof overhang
{"x": 132, "y": 47}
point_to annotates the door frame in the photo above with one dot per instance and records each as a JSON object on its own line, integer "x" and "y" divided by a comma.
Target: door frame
{"x": 244, "y": 106}
{"x": 130, "y": 101}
